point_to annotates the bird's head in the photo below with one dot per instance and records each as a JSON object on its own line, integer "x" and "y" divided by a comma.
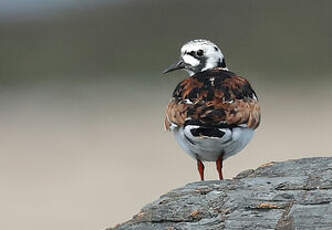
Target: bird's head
{"x": 198, "y": 56}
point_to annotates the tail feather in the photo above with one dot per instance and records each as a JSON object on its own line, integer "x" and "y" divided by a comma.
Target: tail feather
{"x": 207, "y": 132}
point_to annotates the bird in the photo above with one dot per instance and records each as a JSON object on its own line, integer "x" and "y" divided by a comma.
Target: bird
{"x": 213, "y": 113}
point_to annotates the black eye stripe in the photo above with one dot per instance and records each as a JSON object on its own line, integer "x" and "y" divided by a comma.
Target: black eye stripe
{"x": 192, "y": 53}
{"x": 199, "y": 52}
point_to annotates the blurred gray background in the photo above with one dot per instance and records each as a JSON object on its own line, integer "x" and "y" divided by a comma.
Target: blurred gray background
{"x": 82, "y": 98}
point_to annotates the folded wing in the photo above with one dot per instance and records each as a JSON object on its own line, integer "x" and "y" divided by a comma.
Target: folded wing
{"x": 213, "y": 99}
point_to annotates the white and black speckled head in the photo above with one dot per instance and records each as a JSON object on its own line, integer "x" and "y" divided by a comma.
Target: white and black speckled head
{"x": 198, "y": 56}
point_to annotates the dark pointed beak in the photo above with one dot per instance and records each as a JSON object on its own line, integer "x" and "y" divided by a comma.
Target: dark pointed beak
{"x": 179, "y": 65}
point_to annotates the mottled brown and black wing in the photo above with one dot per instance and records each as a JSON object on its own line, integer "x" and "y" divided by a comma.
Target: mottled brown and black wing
{"x": 215, "y": 98}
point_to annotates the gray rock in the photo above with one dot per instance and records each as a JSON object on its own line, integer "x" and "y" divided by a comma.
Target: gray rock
{"x": 296, "y": 194}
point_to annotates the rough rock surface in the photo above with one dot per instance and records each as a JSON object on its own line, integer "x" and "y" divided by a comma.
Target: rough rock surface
{"x": 296, "y": 194}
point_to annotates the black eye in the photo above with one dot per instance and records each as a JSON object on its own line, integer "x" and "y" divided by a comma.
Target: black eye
{"x": 199, "y": 52}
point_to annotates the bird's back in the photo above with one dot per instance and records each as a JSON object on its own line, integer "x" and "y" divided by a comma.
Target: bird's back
{"x": 215, "y": 98}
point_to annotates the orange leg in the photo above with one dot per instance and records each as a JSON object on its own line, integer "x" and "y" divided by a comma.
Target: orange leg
{"x": 219, "y": 166}
{"x": 200, "y": 167}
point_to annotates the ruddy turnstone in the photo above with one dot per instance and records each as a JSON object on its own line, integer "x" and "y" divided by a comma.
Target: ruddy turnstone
{"x": 213, "y": 113}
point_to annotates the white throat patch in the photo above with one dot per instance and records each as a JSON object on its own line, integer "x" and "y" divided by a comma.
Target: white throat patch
{"x": 190, "y": 60}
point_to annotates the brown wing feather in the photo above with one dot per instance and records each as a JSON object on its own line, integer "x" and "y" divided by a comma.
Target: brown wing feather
{"x": 213, "y": 98}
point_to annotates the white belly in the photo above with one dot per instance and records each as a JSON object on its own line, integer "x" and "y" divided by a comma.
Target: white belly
{"x": 210, "y": 148}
